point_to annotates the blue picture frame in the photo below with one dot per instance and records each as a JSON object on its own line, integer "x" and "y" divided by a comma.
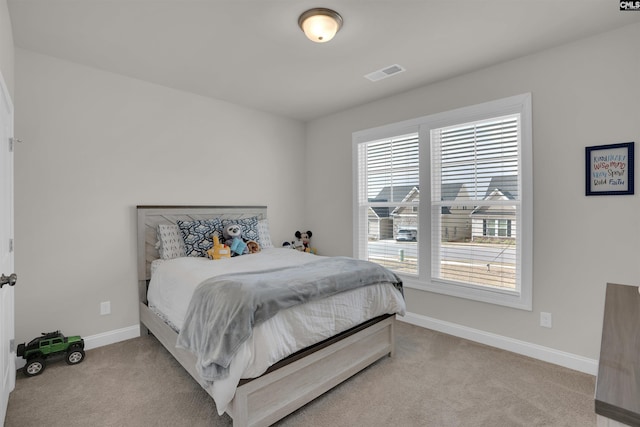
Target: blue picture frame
{"x": 609, "y": 169}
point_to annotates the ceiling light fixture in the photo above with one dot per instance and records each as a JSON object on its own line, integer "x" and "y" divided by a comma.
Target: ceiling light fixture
{"x": 320, "y": 24}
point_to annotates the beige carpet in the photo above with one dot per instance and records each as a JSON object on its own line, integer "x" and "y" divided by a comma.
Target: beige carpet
{"x": 434, "y": 380}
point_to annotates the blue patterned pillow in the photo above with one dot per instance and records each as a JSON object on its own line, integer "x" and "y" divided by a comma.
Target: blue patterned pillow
{"x": 197, "y": 235}
{"x": 249, "y": 227}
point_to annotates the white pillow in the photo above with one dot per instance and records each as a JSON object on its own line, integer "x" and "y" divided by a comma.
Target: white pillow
{"x": 263, "y": 232}
{"x": 171, "y": 243}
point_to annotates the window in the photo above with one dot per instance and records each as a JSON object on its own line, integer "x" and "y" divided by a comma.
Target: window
{"x": 496, "y": 227}
{"x": 388, "y": 183}
{"x": 473, "y": 168}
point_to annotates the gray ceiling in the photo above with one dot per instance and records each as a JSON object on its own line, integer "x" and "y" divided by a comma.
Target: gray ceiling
{"x": 252, "y": 53}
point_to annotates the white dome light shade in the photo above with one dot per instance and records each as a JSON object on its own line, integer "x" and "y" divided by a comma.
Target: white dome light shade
{"x": 319, "y": 24}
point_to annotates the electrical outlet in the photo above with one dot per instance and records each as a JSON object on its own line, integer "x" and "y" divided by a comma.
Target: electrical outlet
{"x": 105, "y": 308}
{"x": 545, "y": 319}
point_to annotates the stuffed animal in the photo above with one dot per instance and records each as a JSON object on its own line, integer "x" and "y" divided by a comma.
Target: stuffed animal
{"x": 297, "y": 244}
{"x": 302, "y": 242}
{"x": 305, "y": 238}
{"x": 253, "y": 246}
{"x": 232, "y": 234}
{"x": 218, "y": 251}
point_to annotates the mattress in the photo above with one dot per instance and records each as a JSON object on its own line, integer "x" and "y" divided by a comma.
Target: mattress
{"x": 174, "y": 281}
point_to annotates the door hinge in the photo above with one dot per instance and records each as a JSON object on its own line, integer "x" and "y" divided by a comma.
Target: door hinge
{"x": 12, "y": 142}
{"x": 10, "y": 245}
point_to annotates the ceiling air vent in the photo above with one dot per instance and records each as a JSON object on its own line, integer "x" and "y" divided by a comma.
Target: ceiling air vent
{"x": 385, "y": 72}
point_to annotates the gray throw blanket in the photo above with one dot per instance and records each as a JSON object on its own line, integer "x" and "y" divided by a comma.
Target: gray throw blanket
{"x": 224, "y": 309}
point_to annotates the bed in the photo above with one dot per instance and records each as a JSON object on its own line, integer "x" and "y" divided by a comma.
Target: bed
{"x": 261, "y": 385}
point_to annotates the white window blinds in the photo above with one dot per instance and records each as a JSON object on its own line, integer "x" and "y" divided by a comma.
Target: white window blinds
{"x": 389, "y": 194}
{"x": 475, "y": 200}
{"x": 446, "y": 201}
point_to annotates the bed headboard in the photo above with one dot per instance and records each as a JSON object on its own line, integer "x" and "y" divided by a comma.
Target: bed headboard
{"x": 150, "y": 216}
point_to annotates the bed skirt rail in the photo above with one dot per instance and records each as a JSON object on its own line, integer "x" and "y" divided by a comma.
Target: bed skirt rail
{"x": 264, "y": 400}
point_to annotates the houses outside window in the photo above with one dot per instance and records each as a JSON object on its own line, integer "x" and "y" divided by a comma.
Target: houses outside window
{"x": 473, "y": 219}
{"x": 496, "y": 227}
{"x": 389, "y": 199}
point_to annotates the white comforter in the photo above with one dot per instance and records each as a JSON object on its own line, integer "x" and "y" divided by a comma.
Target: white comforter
{"x": 173, "y": 283}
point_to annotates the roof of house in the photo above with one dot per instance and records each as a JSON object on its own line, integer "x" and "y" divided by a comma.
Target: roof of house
{"x": 398, "y": 194}
{"x": 450, "y": 190}
{"x": 501, "y": 186}
{"x": 506, "y": 184}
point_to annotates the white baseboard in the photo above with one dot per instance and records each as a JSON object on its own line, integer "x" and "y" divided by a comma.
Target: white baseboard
{"x": 100, "y": 340}
{"x": 111, "y": 337}
{"x": 546, "y": 354}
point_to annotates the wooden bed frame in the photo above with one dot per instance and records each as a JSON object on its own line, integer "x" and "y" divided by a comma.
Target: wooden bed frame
{"x": 291, "y": 383}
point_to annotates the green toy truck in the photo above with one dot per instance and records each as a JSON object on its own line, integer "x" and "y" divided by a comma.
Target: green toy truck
{"x": 47, "y": 345}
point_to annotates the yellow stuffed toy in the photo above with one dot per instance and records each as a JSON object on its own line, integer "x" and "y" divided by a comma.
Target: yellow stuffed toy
{"x": 218, "y": 251}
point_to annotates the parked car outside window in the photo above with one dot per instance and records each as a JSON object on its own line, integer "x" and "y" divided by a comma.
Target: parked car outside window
{"x": 407, "y": 235}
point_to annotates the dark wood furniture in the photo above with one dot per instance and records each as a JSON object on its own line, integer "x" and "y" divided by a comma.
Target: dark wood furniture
{"x": 618, "y": 382}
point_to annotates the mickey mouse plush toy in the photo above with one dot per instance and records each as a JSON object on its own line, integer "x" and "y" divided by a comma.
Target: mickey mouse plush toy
{"x": 306, "y": 239}
{"x": 297, "y": 244}
{"x": 303, "y": 242}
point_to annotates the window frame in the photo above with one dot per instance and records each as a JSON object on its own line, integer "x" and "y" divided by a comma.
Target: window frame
{"x": 518, "y": 104}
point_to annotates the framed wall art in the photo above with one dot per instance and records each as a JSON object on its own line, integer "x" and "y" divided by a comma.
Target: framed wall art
{"x": 609, "y": 169}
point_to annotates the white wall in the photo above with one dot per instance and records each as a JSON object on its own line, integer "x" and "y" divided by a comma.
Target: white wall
{"x": 6, "y": 46}
{"x": 584, "y": 94}
{"x": 96, "y": 145}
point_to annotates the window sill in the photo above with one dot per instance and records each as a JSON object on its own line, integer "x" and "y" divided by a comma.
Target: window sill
{"x": 487, "y": 295}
